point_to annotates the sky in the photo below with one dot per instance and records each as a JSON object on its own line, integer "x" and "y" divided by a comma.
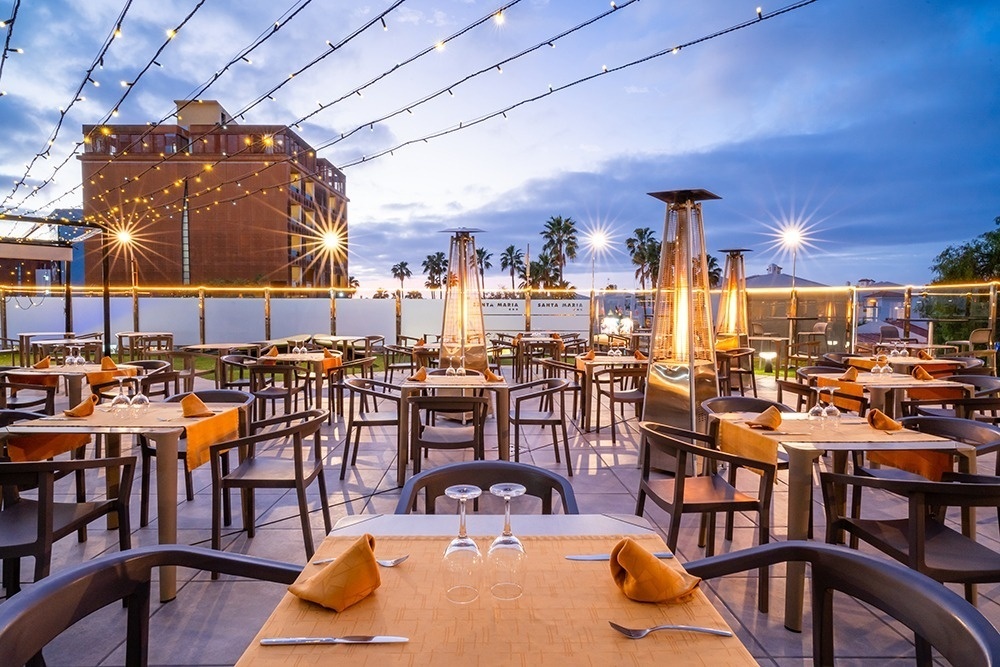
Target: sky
{"x": 874, "y": 124}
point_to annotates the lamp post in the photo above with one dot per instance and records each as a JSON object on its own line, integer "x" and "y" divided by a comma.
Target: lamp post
{"x": 597, "y": 241}
{"x": 127, "y": 243}
{"x": 333, "y": 243}
{"x": 791, "y": 239}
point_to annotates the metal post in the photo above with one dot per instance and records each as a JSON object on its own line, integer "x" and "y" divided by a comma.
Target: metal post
{"x": 333, "y": 312}
{"x": 135, "y": 291}
{"x": 201, "y": 315}
{"x": 106, "y": 291}
{"x": 399, "y": 318}
{"x": 68, "y": 297}
{"x": 3, "y": 313}
{"x": 907, "y": 311}
{"x": 267, "y": 313}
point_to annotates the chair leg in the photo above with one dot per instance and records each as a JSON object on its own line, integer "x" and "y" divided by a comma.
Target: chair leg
{"x": 347, "y": 449}
{"x": 144, "y": 489}
{"x": 565, "y": 436}
{"x": 300, "y": 493}
{"x": 555, "y": 442}
{"x": 517, "y": 443}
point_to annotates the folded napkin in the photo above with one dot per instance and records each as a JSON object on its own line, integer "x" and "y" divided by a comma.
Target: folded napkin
{"x": 640, "y": 356}
{"x": 273, "y": 352}
{"x": 517, "y": 338}
{"x": 924, "y": 355}
{"x": 43, "y": 363}
{"x": 883, "y": 422}
{"x": 491, "y": 376}
{"x": 349, "y": 579}
{"x": 920, "y": 373}
{"x": 108, "y": 364}
{"x": 556, "y": 336}
{"x": 850, "y": 375}
{"x": 419, "y": 376}
{"x": 327, "y": 354}
{"x": 192, "y": 406}
{"x": 769, "y": 420}
{"x": 643, "y": 577}
{"x": 589, "y": 356}
{"x": 84, "y": 408}
{"x": 421, "y": 342}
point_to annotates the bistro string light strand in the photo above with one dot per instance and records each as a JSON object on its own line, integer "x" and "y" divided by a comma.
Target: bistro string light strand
{"x": 9, "y": 24}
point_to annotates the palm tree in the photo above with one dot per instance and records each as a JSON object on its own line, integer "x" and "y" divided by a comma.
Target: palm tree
{"x": 401, "y": 272}
{"x": 560, "y": 242}
{"x": 714, "y": 272}
{"x": 483, "y": 257}
{"x": 512, "y": 260}
{"x": 436, "y": 267}
{"x": 352, "y": 284}
{"x": 641, "y": 249}
{"x": 542, "y": 274}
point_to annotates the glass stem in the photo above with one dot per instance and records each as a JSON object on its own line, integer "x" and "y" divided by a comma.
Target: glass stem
{"x": 506, "y": 517}
{"x": 461, "y": 518}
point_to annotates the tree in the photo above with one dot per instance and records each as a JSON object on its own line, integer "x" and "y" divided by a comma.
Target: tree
{"x": 436, "y": 267}
{"x": 714, "y": 272}
{"x": 542, "y": 274}
{"x": 644, "y": 250}
{"x": 381, "y": 293}
{"x": 483, "y": 257}
{"x": 560, "y": 242}
{"x": 401, "y": 272}
{"x": 352, "y": 284}
{"x": 974, "y": 261}
{"x": 512, "y": 260}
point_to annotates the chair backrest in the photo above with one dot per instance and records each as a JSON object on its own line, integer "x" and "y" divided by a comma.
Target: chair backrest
{"x": 242, "y": 399}
{"x": 887, "y": 332}
{"x": 805, "y": 373}
{"x": 951, "y": 625}
{"x": 18, "y": 392}
{"x": 820, "y": 327}
{"x": 538, "y": 482}
{"x": 756, "y": 329}
{"x": 151, "y": 366}
{"x": 984, "y": 385}
{"x": 981, "y": 336}
{"x": 721, "y": 404}
{"x": 39, "y": 614}
{"x": 805, "y": 396}
{"x": 955, "y": 428}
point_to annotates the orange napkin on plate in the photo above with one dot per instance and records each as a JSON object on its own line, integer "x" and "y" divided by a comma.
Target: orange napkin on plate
{"x": 850, "y": 375}
{"x": 640, "y": 356}
{"x": 84, "y": 408}
{"x": 419, "y": 376}
{"x": 273, "y": 352}
{"x": 349, "y": 579}
{"x": 924, "y": 355}
{"x": 920, "y": 373}
{"x": 43, "y": 363}
{"x": 769, "y": 420}
{"x": 192, "y": 406}
{"x": 491, "y": 376}
{"x": 643, "y": 577}
{"x": 883, "y": 422}
{"x": 108, "y": 364}
{"x": 589, "y": 356}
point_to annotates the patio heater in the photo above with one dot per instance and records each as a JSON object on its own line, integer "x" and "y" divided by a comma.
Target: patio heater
{"x": 463, "y": 333}
{"x": 682, "y": 371}
{"x": 733, "y": 323}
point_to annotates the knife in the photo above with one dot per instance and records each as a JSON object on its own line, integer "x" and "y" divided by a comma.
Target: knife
{"x": 658, "y": 554}
{"x": 349, "y": 639}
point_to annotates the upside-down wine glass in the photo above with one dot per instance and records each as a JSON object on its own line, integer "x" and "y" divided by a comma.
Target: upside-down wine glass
{"x": 506, "y": 555}
{"x": 816, "y": 414}
{"x": 121, "y": 404}
{"x": 139, "y": 403}
{"x": 831, "y": 413}
{"x": 462, "y": 559}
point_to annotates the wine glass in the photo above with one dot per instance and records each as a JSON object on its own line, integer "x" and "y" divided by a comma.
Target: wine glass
{"x": 462, "y": 560}
{"x": 817, "y": 414}
{"x": 831, "y": 413}
{"x": 70, "y": 359}
{"x": 451, "y": 367}
{"x": 506, "y": 555}
{"x": 139, "y": 403}
{"x": 121, "y": 404}
{"x": 461, "y": 366}
{"x": 79, "y": 360}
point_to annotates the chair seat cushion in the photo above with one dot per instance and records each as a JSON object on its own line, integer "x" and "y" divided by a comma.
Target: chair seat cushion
{"x": 19, "y": 523}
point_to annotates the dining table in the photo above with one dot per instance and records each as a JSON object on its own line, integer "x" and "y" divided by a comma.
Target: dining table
{"x": 24, "y": 342}
{"x": 886, "y": 390}
{"x": 411, "y": 387}
{"x": 905, "y": 363}
{"x": 806, "y": 440}
{"x": 317, "y": 363}
{"x": 591, "y": 366}
{"x": 132, "y": 341}
{"x": 164, "y": 424}
{"x": 561, "y": 618}
{"x": 75, "y": 374}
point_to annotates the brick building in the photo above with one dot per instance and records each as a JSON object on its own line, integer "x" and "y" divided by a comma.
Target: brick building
{"x": 209, "y": 201}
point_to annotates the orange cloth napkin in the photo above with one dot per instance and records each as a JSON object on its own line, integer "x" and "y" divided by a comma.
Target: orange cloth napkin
{"x": 420, "y": 343}
{"x": 327, "y": 354}
{"x": 84, "y": 408}
{"x": 640, "y": 356}
{"x": 43, "y": 363}
{"x": 491, "y": 376}
{"x": 349, "y": 579}
{"x": 43, "y": 446}
{"x": 924, "y": 355}
{"x": 643, "y": 577}
{"x": 850, "y": 375}
{"x": 589, "y": 356}
{"x": 769, "y": 420}
{"x": 920, "y": 373}
{"x": 108, "y": 364}
{"x": 883, "y": 422}
{"x": 556, "y": 336}
{"x": 203, "y": 434}
{"x": 273, "y": 352}
{"x": 192, "y": 406}
{"x": 419, "y": 376}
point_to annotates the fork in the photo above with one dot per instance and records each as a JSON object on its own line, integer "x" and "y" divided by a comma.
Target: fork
{"x": 384, "y": 562}
{"x": 639, "y": 633}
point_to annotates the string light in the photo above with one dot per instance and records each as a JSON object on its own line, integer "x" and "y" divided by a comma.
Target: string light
{"x": 384, "y": 26}
{"x": 760, "y": 13}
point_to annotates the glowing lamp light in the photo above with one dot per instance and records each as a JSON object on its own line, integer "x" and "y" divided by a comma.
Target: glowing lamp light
{"x": 733, "y": 320}
{"x": 463, "y": 331}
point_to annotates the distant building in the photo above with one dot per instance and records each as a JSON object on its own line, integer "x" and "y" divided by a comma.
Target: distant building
{"x": 210, "y": 201}
{"x": 775, "y": 278}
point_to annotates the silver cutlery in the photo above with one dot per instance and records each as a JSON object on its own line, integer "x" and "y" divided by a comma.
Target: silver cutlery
{"x": 658, "y": 554}
{"x": 348, "y": 639}
{"x": 384, "y": 562}
{"x": 639, "y": 633}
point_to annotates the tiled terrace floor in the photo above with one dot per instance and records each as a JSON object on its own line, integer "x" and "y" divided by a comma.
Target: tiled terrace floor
{"x": 211, "y": 622}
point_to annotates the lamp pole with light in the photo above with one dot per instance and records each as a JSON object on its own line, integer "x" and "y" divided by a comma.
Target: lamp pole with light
{"x": 791, "y": 239}
{"x": 127, "y": 242}
{"x": 332, "y": 243}
{"x": 597, "y": 241}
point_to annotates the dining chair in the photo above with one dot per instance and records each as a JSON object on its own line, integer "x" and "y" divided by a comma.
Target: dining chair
{"x": 551, "y": 411}
{"x": 705, "y": 492}
{"x": 801, "y": 353}
{"x": 621, "y": 386}
{"x": 39, "y": 614}
{"x": 336, "y": 380}
{"x": 736, "y": 366}
{"x": 433, "y": 432}
{"x": 538, "y": 482}
{"x": 30, "y": 526}
{"x": 574, "y": 377}
{"x": 803, "y": 395}
{"x": 147, "y": 448}
{"x": 277, "y": 382}
{"x": 28, "y": 392}
{"x": 366, "y": 393}
{"x": 235, "y": 371}
{"x": 939, "y": 618}
{"x": 264, "y": 464}
{"x": 397, "y": 358}
{"x": 918, "y": 534}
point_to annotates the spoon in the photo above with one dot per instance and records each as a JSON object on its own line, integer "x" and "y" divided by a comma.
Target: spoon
{"x": 390, "y": 562}
{"x": 639, "y": 633}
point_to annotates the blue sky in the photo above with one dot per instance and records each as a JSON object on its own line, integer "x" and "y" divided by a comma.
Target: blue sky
{"x": 876, "y": 122}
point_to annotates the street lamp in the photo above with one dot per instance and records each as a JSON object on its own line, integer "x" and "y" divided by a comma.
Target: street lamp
{"x": 792, "y": 239}
{"x": 597, "y": 241}
{"x": 333, "y": 244}
{"x": 126, "y": 241}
